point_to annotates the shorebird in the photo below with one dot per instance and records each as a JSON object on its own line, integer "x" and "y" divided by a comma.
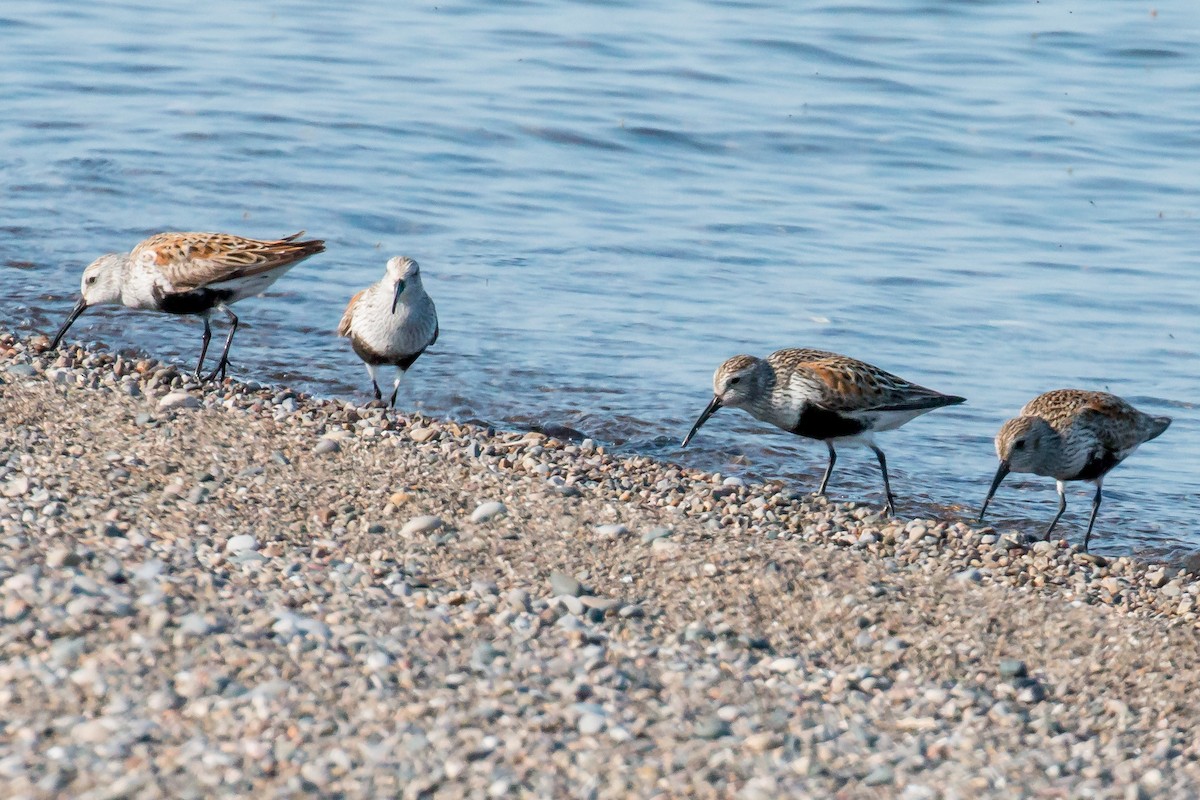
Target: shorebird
{"x": 391, "y": 322}
{"x": 821, "y": 395}
{"x": 1072, "y": 435}
{"x": 190, "y": 273}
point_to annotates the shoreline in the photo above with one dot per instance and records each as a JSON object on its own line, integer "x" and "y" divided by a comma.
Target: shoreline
{"x": 246, "y": 589}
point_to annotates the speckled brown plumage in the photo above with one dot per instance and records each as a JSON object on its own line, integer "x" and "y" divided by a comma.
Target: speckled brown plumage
{"x": 821, "y": 395}
{"x": 1072, "y": 435}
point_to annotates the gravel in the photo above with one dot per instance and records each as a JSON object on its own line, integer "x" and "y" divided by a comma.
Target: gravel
{"x": 346, "y": 626}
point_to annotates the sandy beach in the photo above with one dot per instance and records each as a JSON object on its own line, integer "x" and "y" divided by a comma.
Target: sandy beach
{"x": 241, "y": 590}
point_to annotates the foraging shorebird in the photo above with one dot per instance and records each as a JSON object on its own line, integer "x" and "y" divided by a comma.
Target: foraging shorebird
{"x": 391, "y": 322}
{"x": 1072, "y": 435}
{"x": 190, "y": 273}
{"x": 821, "y": 395}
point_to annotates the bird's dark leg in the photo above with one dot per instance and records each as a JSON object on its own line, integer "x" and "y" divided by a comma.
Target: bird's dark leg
{"x": 1095, "y": 507}
{"x": 204, "y": 346}
{"x": 1062, "y": 506}
{"x": 396, "y": 387}
{"x": 887, "y": 487}
{"x": 224, "y": 362}
{"x": 828, "y": 469}
{"x": 374, "y": 382}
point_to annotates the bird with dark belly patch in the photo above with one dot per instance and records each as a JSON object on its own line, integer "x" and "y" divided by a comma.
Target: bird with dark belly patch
{"x": 824, "y": 396}
{"x": 1072, "y": 435}
{"x": 190, "y": 274}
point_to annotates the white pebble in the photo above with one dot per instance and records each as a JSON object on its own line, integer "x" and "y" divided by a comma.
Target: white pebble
{"x": 242, "y": 541}
{"x": 422, "y": 524}
{"x": 178, "y": 400}
{"x": 486, "y": 511}
{"x": 16, "y": 486}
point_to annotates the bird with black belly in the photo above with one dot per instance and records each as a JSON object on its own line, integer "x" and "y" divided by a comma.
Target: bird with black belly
{"x": 190, "y": 274}
{"x": 824, "y": 396}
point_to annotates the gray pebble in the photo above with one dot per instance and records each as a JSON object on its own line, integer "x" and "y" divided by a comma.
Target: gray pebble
{"x": 1013, "y": 668}
{"x": 194, "y": 625}
{"x": 631, "y": 611}
{"x": 712, "y": 728}
{"x": 600, "y": 603}
{"x": 327, "y": 446}
{"x": 563, "y": 584}
{"x": 655, "y": 533}
{"x": 880, "y": 776}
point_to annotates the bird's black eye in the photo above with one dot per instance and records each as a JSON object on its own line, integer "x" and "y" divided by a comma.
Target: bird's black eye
{"x": 91, "y": 279}
{"x": 732, "y": 381}
{"x": 1019, "y": 444}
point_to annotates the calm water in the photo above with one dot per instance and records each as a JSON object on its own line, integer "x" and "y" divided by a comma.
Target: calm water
{"x": 990, "y": 198}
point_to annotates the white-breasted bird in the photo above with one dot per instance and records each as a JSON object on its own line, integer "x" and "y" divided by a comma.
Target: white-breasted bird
{"x": 190, "y": 273}
{"x": 821, "y": 395}
{"x": 1072, "y": 435}
{"x": 391, "y": 322}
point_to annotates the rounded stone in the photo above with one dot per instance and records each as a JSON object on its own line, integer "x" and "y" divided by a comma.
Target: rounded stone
{"x": 326, "y": 446}
{"x": 178, "y": 400}
{"x": 240, "y": 543}
{"x": 422, "y": 524}
{"x": 487, "y": 511}
{"x": 563, "y": 584}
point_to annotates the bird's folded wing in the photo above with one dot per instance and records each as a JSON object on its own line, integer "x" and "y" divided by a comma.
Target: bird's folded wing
{"x": 193, "y": 260}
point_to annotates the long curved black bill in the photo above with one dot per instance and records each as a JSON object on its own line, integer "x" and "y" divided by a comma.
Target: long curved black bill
{"x": 708, "y": 412}
{"x": 79, "y": 308}
{"x": 1000, "y": 473}
{"x": 396, "y": 297}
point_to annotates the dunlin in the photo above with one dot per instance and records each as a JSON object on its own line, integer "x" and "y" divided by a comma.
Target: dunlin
{"x": 1072, "y": 435}
{"x": 190, "y": 273}
{"x": 391, "y": 322}
{"x": 823, "y": 396}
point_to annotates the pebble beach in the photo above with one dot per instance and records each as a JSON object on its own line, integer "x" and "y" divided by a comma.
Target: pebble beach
{"x": 237, "y": 589}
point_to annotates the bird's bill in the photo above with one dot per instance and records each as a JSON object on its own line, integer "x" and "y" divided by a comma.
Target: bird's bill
{"x": 396, "y": 297}
{"x": 1000, "y": 473}
{"x": 79, "y": 308}
{"x": 708, "y": 412}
